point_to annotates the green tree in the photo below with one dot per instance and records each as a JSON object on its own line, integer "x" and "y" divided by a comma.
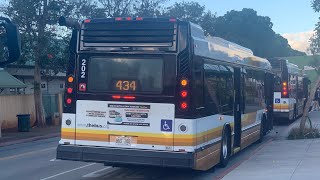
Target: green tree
{"x": 116, "y": 8}
{"x": 37, "y": 20}
{"x": 255, "y": 32}
{"x": 193, "y": 12}
{"x": 149, "y": 8}
{"x": 123, "y": 8}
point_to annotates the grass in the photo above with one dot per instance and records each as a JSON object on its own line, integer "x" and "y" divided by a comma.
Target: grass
{"x": 309, "y": 133}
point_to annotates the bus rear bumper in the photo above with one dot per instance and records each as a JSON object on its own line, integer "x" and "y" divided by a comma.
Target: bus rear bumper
{"x": 119, "y": 156}
{"x": 281, "y": 114}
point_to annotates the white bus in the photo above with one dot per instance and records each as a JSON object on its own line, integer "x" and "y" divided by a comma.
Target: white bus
{"x": 158, "y": 92}
{"x": 290, "y": 90}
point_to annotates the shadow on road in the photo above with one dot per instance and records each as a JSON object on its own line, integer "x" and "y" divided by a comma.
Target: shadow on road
{"x": 154, "y": 173}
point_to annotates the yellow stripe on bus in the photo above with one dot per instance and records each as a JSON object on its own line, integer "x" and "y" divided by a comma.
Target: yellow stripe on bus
{"x": 151, "y": 138}
{"x": 281, "y": 106}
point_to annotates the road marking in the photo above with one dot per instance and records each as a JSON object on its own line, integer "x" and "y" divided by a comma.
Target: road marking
{"x": 52, "y": 160}
{"x": 94, "y": 174}
{"x": 27, "y": 153}
{"x": 65, "y": 172}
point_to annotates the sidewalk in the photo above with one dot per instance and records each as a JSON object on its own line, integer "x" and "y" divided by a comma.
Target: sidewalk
{"x": 283, "y": 159}
{"x": 14, "y": 137}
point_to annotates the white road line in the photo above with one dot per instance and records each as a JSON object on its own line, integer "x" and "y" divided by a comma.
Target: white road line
{"x": 94, "y": 174}
{"x": 68, "y": 171}
{"x": 52, "y": 160}
{"x": 27, "y": 153}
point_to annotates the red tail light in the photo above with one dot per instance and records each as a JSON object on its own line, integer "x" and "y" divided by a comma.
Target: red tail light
{"x": 87, "y": 20}
{"x": 118, "y": 19}
{"x": 129, "y": 97}
{"x": 69, "y": 101}
{"x": 139, "y": 18}
{"x": 129, "y": 18}
{"x": 116, "y": 97}
{"x": 184, "y": 105}
{"x": 184, "y": 94}
{"x": 69, "y": 90}
{"x": 123, "y": 97}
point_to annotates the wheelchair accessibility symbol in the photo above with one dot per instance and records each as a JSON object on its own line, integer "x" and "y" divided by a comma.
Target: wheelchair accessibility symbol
{"x": 277, "y": 100}
{"x": 166, "y": 125}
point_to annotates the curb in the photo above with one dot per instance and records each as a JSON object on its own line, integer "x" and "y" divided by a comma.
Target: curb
{"x": 246, "y": 158}
{"x": 29, "y": 139}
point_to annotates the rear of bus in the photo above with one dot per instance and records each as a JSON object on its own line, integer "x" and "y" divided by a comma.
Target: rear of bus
{"x": 281, "y": 88}
{"x": 128, "y": 94}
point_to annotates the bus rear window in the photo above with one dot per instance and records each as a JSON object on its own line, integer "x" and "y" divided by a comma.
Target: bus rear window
{"x": 125, "y": 75}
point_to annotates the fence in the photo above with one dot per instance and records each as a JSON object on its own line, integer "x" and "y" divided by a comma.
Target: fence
{"x": 52, "y": 105}
{"x": 10, "y": 106}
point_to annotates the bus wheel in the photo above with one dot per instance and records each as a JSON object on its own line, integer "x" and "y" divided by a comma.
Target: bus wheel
{"x": 263, "y": 121}
{"x": 225, "y": 148}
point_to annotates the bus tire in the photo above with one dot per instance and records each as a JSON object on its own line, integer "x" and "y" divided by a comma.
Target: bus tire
{"x": 225, "y": 150}
{"x": 262, "y": 129}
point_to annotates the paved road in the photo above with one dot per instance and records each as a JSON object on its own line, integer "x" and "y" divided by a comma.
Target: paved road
{"x": 36, "y": 160}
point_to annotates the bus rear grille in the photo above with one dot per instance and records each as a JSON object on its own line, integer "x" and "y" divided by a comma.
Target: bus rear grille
{"x": 184, "y": 67}
{"x": 128, "y": 34}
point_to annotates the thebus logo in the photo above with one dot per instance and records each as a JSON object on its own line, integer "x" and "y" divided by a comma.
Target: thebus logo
{"x": 83, "y": 68}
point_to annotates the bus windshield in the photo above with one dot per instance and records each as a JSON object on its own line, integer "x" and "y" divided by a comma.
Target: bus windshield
{"x": 134, "y": 75}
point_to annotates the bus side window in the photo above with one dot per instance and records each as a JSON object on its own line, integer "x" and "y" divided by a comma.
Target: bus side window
{"x": 211, "y": 89}
{"x": 254, "y": 91}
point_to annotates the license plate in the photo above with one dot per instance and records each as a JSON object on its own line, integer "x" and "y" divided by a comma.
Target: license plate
{"x": 123, "y": 140}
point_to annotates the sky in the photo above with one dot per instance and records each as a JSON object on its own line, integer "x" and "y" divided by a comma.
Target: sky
{"x": 293, "y": 19}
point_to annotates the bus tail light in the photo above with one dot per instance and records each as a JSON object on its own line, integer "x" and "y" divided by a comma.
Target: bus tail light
{"x": 184, "y": 82}
{"x": 139, "y": 19}
{"x": 284, "y": 93}
{"x": 129, "y": 97}
{"x": 123, "y": 97}
{"x": 116, "y": 97}
{"x": 69, "y": 101}
{"x": 69, "y": 90}
{"x": 184, "y": 105}
{"x": 70, "y": 79}
{"x": 184, "y": 94}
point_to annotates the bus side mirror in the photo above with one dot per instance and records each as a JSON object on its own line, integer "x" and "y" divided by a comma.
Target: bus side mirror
{"x": 69, "y": 22}
{"x": 11, "y": 43}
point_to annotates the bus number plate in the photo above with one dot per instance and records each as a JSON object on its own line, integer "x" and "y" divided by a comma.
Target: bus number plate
{"x": 123, "y": 140}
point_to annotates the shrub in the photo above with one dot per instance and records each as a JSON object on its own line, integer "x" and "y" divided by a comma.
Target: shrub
{"x": 308, "y": 133}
